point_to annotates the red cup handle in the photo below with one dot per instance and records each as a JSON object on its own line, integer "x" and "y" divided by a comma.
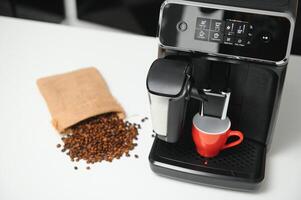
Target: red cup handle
{"x": 237, "y": 142}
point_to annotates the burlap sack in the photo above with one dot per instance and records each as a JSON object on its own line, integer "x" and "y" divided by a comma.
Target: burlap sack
{"x": 78, "y": 95}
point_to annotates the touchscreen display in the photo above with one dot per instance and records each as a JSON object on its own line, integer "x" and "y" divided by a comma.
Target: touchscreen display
{"x": 230, "y": 32}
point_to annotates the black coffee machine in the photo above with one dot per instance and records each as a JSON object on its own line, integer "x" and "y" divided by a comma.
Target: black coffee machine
{"x": 208, "y": 48}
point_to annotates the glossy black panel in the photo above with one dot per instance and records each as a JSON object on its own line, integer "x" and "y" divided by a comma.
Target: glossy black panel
{"x": 225, "y": 32}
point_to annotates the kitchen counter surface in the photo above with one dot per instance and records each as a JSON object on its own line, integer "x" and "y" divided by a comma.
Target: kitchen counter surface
{"x": 31, "y": 167}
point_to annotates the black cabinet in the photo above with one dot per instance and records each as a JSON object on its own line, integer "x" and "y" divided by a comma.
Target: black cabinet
{"x": 7, "y": 8}
{"x": 138, "y": 16}
{"x": 46, "y": 10}
{"x": 296, "y": 48}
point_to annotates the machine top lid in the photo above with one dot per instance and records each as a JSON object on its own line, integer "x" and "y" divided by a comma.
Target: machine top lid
{"x": 167, "y": 77}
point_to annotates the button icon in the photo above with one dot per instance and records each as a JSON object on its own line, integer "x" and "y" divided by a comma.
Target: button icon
{"x": 201, "y": 35}
{"x": 216, "y": 37}
{"x": 240, "y": 41}
{"x": 266, "y": 37}
{"x": 217, "y": 25}
{"x": 230, "y": 28}
{"x": 228, "y": 40}
{"x": 203, "y": 23}
{"x": 251, "y": 27}
{"x": 241, "y": 29}
{"x": 182, "y": 26}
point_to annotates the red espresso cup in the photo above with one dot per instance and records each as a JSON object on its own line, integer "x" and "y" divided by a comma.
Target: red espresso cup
{"x": 210, "y": 135}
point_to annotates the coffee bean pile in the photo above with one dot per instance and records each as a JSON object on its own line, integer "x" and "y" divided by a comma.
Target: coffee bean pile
{"x": 103, "y": 137}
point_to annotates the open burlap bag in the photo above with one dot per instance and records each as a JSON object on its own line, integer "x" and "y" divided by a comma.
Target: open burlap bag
{"x": 75, "y": 96}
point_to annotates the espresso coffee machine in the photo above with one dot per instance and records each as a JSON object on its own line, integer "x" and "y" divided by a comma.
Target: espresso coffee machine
{"x": 209, "y": 49}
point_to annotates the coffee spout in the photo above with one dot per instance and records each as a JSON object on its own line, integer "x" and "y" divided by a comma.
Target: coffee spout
{"x": 216, "y": 104}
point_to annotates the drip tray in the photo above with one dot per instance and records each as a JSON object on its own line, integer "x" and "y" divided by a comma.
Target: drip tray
{"x": 240, "y": 167}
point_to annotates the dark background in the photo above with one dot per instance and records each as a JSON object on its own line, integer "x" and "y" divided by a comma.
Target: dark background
{"x": 137, "y": 16}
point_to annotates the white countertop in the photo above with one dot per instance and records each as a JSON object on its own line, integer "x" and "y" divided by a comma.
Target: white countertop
{"x": 31, "y": 167}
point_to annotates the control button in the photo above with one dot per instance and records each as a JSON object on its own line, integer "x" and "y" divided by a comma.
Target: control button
{"x": 228, "y": 40}
{"x": 217, "y": 25}
{"x": 266, "y": 37}
{"x": 182, "y": 26}
{"x": 201, "y": 35}
{"x": 251, "y": 28}
{"x": 216, "y": 37}
{"x": 230, "y": 28}
{"x": 241, "y": 29}
{"x": 203, "y": 23}
{"x": 250, "y": 31}
{"x": 239, "y": 41}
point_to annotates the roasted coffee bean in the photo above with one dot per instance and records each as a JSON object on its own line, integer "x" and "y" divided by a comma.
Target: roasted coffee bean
{"x": 104, "y": 137}
{"x": 136, "y": 156}
{"x": 58, "y": 145}
{"x": 144, "y": 119}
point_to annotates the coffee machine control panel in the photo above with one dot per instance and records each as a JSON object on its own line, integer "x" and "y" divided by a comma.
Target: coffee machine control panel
{"x": 225, "y": 31}
{"x": 231, "y": 32}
